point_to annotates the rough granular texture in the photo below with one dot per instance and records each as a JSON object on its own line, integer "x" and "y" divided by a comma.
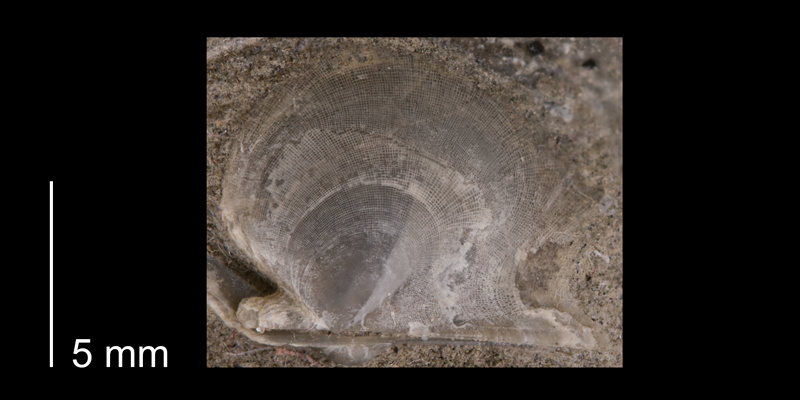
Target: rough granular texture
{"x": 402, "y": 192}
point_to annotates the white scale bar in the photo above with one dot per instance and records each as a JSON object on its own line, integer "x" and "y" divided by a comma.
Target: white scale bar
{"x": 51, "y": 274}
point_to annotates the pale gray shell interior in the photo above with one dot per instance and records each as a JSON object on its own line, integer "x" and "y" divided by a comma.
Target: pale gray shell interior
{"x": 392, "y": 194}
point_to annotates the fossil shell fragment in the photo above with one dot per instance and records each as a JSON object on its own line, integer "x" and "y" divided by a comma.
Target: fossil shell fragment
{"x": 392, "y": 194}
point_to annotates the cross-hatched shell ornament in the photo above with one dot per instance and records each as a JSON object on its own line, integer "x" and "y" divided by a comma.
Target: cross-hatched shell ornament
{"x": 394, "y": 195}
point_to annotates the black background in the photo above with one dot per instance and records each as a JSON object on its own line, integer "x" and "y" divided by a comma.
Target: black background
{"x": 127, "y": 163}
